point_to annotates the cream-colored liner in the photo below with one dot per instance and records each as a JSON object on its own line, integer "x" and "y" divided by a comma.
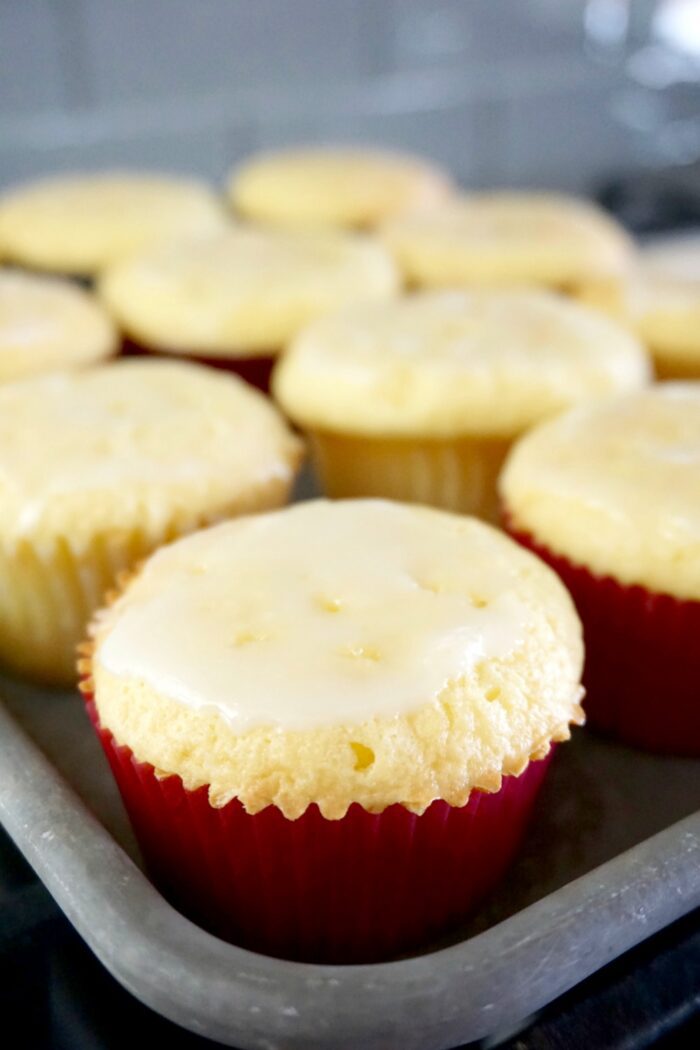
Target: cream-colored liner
{"x": 457, "y": 474}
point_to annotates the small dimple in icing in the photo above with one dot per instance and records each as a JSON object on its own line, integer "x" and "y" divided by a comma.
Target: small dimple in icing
{"x": 317, "y": 615}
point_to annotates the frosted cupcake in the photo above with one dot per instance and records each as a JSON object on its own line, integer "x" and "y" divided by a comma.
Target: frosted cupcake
{"x": 609, "y": 495}
{"x": 420, "y": 399}
{"x": 341, "y": 187}
{"x": 236, "y": 299}
{"x": 47, "y": 324}
{"x": 664, "y": 301}
{"x": 553, "y": 241}
{"x": 329, "y": 723}
{"x": 98, "y": 467}
{"x": 77, "y": 224}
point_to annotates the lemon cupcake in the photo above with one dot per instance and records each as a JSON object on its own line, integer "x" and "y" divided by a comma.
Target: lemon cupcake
{"x": 664, "y": 301}
{"x": 77, "y": 224}
{"x": 100, "y": 466}
{"x": 47, "y": 323}
{"x": 609, "y": 495}
{"x": 235, "y": 299}
{"x": 420, "y": 399}
{"x": 341, "y": 187}
{"x": 329, "y": 723}
{"x": 558, "y": 242}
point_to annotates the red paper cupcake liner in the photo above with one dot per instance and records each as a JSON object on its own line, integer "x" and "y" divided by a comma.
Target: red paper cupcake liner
{"x": 255, "y": 370}
{"x": 642, "y": 670}
{"x": 359, "y": 889}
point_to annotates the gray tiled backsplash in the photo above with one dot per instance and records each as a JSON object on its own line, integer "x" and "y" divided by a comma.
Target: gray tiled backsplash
{"x": 485, "y": 31}
{"x": 162, "y": 47}
{"x": 32, "y": 61}
{"x": 201, "y": 151}
{"x": 502, "y": 91}
{"x": 560, "y": 140}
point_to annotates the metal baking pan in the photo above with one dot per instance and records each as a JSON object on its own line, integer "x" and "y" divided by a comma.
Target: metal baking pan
{"x": 612, "y": 857}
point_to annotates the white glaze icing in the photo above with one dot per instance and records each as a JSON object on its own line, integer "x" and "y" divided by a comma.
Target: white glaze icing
{"x": 243, "y": 290}
{"x": 100, "y": 442}
{"x": 502, "y": 236}
{"x": 617, "y": 487}
{"x": 334, "y": 186}
{"x": 80, "y": 223}
{"x": 323, "y": 613}
{"x": 48, "y": 323}
{"x": 455, "y": 362}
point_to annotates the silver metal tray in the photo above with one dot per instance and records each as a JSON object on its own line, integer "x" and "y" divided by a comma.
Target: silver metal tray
{"x": 612, "y": 857}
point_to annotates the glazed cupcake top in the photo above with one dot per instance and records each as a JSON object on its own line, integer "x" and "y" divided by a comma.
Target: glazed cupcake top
{"x": 132, "y": 443}
{"x": 616, "y": 487}
{"x": 442, "y": 364}
{"x": 496, "y": 238}
{"x": 46, "y": 323}
{"x": 336, "y": 652}
{"x": 78, "y": 224}
{"x": 245, "y": 291}
{"x": 664, "y": 296}
{"x": 355, "y": 188}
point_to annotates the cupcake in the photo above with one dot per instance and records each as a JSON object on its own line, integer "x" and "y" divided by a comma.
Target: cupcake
{"x": 100, "y": 466}
{"x": 46, "y": 323}
{"x": 609, "y": 496}
{"x": 78, "y": 224}
{"x": 549, "y": 240}
{"x": 664, "y": 302}
{"x": 235, "y": 299}
{"x": 420, "y": 399}
{"x": 329, "y": 723}
{"x": 337, "y": 187}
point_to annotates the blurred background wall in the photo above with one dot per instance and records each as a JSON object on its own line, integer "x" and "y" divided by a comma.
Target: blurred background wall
{"x": 561, "y": 93}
